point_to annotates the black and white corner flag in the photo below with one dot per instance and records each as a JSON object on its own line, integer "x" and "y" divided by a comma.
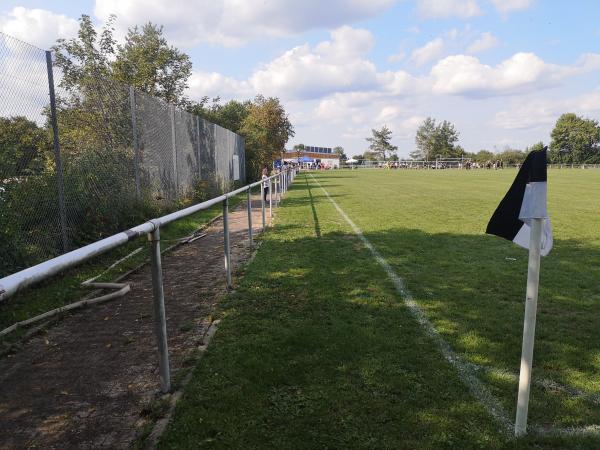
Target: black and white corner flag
{"x": 525, "y": 200}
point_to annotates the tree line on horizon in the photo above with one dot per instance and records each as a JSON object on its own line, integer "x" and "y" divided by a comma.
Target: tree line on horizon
{"x": 574, "y": 140}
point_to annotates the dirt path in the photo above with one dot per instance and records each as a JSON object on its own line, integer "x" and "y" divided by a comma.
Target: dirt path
{"x": 83, "y": 383}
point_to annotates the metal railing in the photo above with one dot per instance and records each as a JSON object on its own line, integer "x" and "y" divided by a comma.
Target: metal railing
{"x": 278, "y": 185}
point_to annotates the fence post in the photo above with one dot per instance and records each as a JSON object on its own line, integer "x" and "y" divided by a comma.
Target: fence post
{"x": 199, "y": 148}
{"x": 249, "y": 193}
{"x": 226, "y": 241}
{"x": 160, "y": 321}
{"x": 262, "y": 204}
{"x": 136, "y": 148}
{"x": 62, "y": 209}
{"x": 271, "y": 185}
{"x": 174, "y": 145}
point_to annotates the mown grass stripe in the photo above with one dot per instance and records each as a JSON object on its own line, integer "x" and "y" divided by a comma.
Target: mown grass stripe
{"x": 465, "y": 370}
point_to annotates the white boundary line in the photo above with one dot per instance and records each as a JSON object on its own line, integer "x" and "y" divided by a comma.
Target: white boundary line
{"x": 467, "y": 371}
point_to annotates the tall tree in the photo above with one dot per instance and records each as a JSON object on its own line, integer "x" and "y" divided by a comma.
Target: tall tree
{"x": 147, "y": 62}
{"x": 379, "y": 143}
{"x": 424, "y": 139}
{"x": 433, "y": 140}
{"x": 267, "y": 129}
{"x": 88, "y": 56}
{"x": 575, "y": 140}
{"x": 340, "y": 152}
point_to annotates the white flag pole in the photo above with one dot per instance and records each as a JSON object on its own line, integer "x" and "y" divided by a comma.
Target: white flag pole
{"x": 533, "y": 279}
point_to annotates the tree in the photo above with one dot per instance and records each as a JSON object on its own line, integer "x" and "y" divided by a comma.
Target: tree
{"x": 267, "y": 129}
{"x": 380, "y": 143}
{"x": 145, "y": 61}
{"x": 511, "y": 156}
{"x": 340, "y": 152}
{"x": 575, "y": 140}
{"x": 148, "y": 63}
{"x": 230, "y": 115}
{"x": 368, "y": 156}
{"x": 424, "y": 140}
{"x": 87, "y": 57}
{"x": 483, "y": 156}
{"x": 24, "y": 148}
{"x": 433, "y": 140}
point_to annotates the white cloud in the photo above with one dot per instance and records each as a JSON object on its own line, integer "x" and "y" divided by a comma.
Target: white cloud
{"x": 506, "y": 6}
{"x": 336, "y": 65}
{"x": 234, "y": 22}
{"x": 466, "y": 75}
{"x": 484, "y": 42}
{"x": 430, "y": 51}
{"x": 397, "y": 57}
{"x": 37, "y": 26}
{"x": 534, "y": 113}
{"x": 464, "y": 9}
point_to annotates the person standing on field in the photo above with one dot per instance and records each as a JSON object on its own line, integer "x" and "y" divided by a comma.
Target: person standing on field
{"x": 265, "y": 181}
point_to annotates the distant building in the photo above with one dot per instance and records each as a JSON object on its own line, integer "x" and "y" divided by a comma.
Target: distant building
{"x": 311, "y": 156}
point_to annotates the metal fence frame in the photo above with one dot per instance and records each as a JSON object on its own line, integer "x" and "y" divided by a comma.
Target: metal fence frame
{"x": 279, "y": 183}
{"x": 159, "y": 153}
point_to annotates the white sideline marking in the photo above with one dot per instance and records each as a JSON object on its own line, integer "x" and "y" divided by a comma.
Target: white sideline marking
{"x": 465, "y": 370}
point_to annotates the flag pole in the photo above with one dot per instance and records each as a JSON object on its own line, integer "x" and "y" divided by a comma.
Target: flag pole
{"x": 533, "y": 279}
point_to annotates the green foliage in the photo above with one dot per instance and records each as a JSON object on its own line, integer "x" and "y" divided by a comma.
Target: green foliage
{"x": 25, "y": 148}
{"x": 433, "y": 140}
{"x": 148, "y": 63}
{"x": 340, "y": 152}
{"x": 266, "y": 128}
{"x": 379, "y": 143}
{"x": 230, "y": 115}
{"x": 575, "y": 140}
{"x": 483, "y": 156}
{"x": 368, "y": 156}
{"x": 511, "y": 156}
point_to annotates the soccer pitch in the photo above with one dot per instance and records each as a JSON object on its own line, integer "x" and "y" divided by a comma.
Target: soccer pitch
{"x": 317, "y": 347}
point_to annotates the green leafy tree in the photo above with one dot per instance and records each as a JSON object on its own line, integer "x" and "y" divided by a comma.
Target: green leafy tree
{"x": 379, "y": 143}
{"x": 512, "y": 156}
{"x": 267, "y": 129}
{"x": 483, "y": 156}
{"x": 340, "y": 152}
{"x": 575, "y": 140}
{"x": 25, "y": 148}
{"x": 147, "y": 62}
{"x": 369, "y": 156}
{"x": 433, "y": 140}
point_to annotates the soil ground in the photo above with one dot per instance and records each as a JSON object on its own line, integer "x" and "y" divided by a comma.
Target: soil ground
{"x": 84, "y": 383}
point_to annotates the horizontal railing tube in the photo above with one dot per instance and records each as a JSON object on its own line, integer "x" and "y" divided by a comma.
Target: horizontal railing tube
{"x": 18, "y": 281}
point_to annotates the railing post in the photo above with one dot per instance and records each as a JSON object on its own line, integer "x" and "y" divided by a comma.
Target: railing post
{"x": 249, "y": 194}
{"x": 160, "y": 321}
{"x": 174, "y": 147}
{"x": 136, "y": 148}
{"x": 62, "y": 209}
{"x": 262, "y": 204}
{"x": 226, "y": 242}
{"x": 271, "y": 185}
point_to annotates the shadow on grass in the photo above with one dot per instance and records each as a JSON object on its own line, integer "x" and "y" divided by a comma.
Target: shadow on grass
{"x": 316, "y": 349}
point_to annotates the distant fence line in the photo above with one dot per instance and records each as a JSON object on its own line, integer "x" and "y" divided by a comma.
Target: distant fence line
{"x": 81, "y": 163}
{"x": 444, "y": 164}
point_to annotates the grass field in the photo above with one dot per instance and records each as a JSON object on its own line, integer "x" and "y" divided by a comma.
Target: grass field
{"x": 317, "y": 349}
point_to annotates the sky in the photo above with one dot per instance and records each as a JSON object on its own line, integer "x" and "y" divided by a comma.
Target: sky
{"x": 502, "y": 71}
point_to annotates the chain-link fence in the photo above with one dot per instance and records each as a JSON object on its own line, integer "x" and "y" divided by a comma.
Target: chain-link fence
{"x": 81, "y": 161}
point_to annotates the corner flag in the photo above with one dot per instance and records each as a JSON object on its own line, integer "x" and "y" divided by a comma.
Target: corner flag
{"x": 525, "y": 200}
{"x": 522, "y": 218}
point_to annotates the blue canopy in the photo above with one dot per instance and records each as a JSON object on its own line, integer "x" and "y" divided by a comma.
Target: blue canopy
{"x": 305, "y": 159}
